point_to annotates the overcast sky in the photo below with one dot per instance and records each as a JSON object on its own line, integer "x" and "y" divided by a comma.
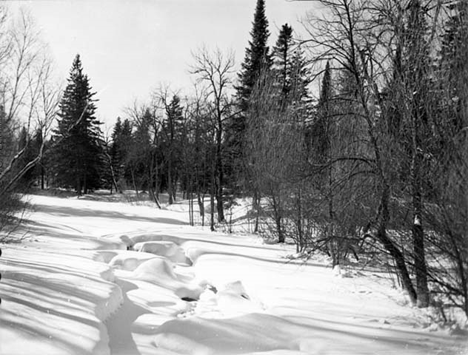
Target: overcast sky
{"x": 129, "y": 47}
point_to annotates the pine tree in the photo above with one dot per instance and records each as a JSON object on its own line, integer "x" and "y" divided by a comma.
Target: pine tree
{"x": 77, "y": 153}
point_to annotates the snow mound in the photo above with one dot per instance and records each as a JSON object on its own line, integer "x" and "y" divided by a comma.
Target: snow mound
{"x": 155, "y": 270}
{"x": 128, "y": 260}
{"x": 160, "y": 271}
{"x": 123, "y": 241}
{"x": 232, "y": 300}
{"x": 167, "y": 249}
{"x": 246, "y": 334}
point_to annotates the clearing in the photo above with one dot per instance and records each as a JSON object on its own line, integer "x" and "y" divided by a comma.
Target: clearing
{"x": 72, "y": 287}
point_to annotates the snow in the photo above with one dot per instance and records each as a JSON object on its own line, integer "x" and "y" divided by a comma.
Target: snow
{"x": 96, "y": 276}
{"x": 170, "y": 250}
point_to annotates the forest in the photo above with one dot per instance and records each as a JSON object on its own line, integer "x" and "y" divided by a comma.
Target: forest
{"x": 350, "y": 141}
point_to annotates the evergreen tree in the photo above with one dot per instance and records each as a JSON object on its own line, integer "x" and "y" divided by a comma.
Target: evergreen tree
{"x": 300, "y": 78}
{"x": 319, "y": 140}
{"x": 257, "y": 63}
{"x": 452, "y": 64}
{"x": 289, "y": 68}
{"x": 77, "y": 153}
{"x": 173, "y": 129}
{"x": 120, "y": 149}
{"x": 138, "y": 168}
{"x": 282, "y": 60}
{"x": 257, "y": 58}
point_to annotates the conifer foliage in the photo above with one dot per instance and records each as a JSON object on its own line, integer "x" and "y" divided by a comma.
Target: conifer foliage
{"x": 257, "y": 56}
{"x": 77, "y": 153}
{"x": 289, "y": 68}
{"x": 257, "y": 62}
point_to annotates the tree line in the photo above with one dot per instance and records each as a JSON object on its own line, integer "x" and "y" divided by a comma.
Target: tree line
{"x": 352, "y": 139}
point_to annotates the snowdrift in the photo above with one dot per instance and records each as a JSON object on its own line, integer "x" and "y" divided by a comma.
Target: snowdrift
{"x": 101, "y": 277}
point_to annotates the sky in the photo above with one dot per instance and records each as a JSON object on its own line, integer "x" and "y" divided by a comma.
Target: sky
{"x": 130, "y": 47}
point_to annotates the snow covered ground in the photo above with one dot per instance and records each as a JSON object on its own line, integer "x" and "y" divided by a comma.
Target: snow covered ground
{"x": 72, "y": 287}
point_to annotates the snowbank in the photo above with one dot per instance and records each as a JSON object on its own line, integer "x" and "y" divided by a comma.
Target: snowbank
{"x": 54, "y": 304}
{"x": 72, "y": 287}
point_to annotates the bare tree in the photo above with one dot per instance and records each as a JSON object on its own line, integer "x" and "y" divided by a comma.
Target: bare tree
{"x": 393, "y": 122}
{"x": 29, "y": 99}
{"x": 342, "y": 35}
{"x": 198, "y": 152}
{"x": 215, "y": 69}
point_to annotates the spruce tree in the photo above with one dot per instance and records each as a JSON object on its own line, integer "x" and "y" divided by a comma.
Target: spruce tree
{"x": 77, "y": 153}
{"x": 290, "y": 71}
{"x": 320, "y": 143}
{"x": 257, "y": 58}
{"x": 282, "y": 60}
{"x": 120, "y": 149}
{"x": 257, "y": 61}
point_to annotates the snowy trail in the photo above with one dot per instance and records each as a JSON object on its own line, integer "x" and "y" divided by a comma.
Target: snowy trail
{"x": 72, "y": 287}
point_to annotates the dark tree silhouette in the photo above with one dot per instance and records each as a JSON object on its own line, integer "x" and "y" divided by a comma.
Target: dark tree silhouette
{"x": 77, "y": 152}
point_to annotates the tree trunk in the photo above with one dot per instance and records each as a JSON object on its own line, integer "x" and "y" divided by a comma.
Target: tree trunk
{"x": 201, "y": 207}
{"x": 212, "y": 199}
{"x": 420, "y": 265}
{"x": 219, "y": 200}
{"x": 460, "y": 262}
{"x": 417, "y": 228}
{"x": 85, "y": 184}
{"x": 190, "y": 203}
{"x": 169, "y": 182}
{"x": 278, "y": 218}
{"x": 219, "y": 172}
{"x": 78, "y": 186}
{"x": 300, "y": 230}
{"x": 256, "y": 207}
{"x": 42, "y": 177}
{"x": 395, "y": 253}
{"x": 134, "y": 182}
{"x": 212, "y": 204}
{"x": 152, "y": 183}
